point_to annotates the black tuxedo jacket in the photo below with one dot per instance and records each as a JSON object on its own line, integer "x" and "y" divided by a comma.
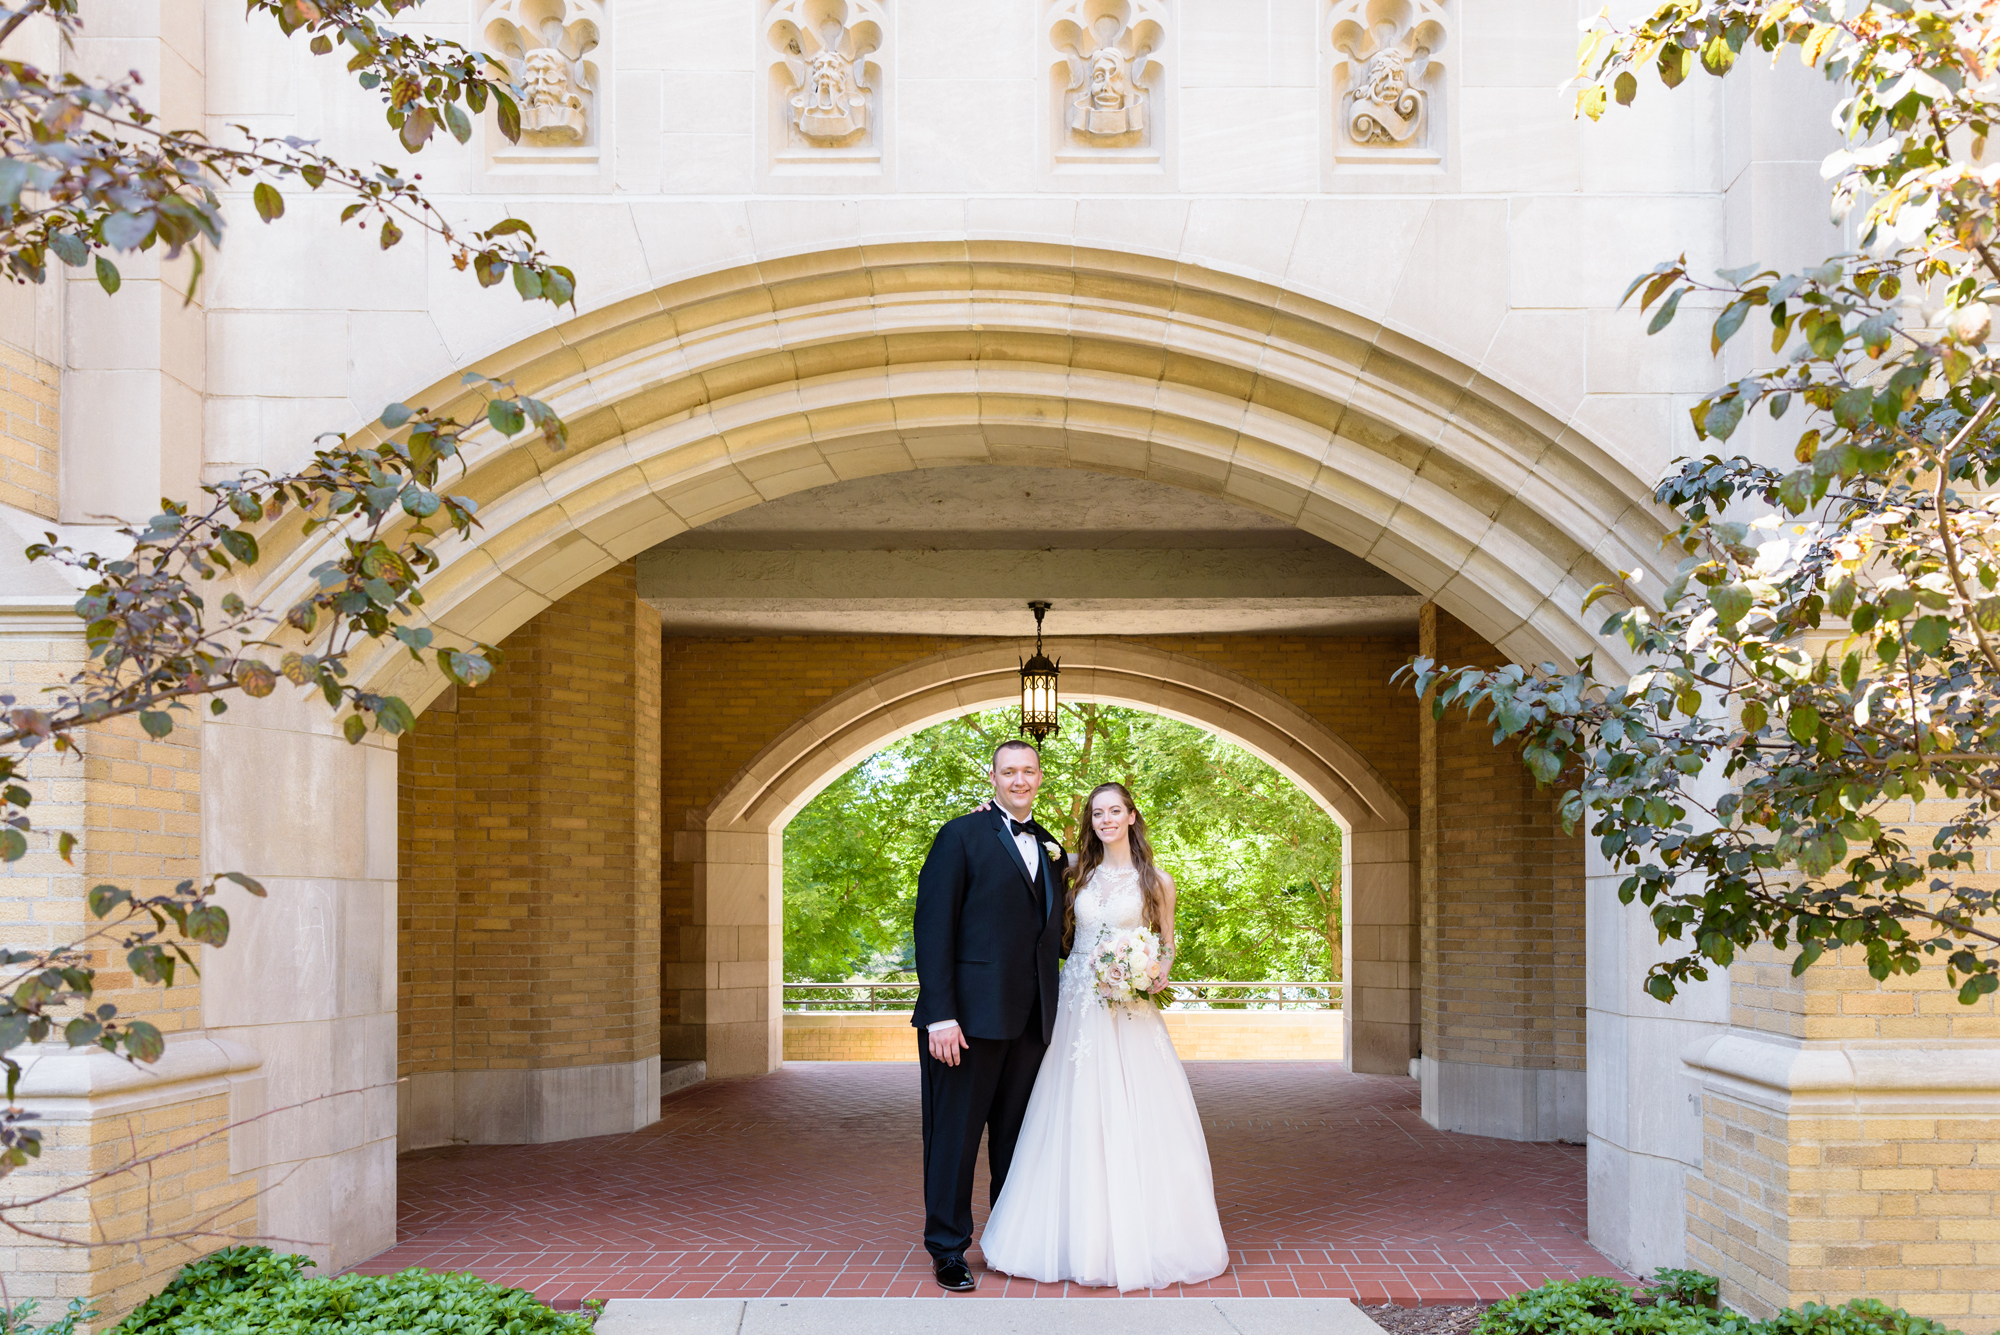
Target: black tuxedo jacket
{"x": 988, "y": 941}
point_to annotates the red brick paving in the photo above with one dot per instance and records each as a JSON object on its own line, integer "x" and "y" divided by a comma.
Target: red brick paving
{"x": 805, "y": 1183}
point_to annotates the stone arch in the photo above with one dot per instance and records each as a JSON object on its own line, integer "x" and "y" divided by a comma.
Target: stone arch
{"x": 720, "y": 392}
{"x": 739, "y": 886}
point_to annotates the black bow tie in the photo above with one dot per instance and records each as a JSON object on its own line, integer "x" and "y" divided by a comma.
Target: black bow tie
{"x": 1020, "y": 826}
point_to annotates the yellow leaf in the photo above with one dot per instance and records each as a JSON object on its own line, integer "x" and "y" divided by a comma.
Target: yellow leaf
{"x": 1590, "y": 101}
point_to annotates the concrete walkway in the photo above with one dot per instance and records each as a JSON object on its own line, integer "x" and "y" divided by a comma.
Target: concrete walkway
{"x": 992, "y": 1316}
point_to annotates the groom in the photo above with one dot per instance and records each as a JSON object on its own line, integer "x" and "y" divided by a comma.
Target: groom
{"x": 988, "y": 931}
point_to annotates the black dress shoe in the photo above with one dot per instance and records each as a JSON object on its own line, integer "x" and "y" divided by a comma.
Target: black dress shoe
{"x": 954, "y": 1274}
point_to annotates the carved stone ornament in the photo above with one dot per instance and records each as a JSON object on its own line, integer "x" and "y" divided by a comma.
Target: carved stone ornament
{"x": 546, "y": 46}
{"x": 1389, "y": 82}
{"x": 1108, "y": 70}
{"x": 826, "y": 47}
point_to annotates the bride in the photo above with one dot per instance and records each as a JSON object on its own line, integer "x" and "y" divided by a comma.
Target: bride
{"x": 1110, "y": 1182}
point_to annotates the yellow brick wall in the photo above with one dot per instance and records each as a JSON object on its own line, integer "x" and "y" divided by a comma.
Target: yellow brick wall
{"x": 28, "y": 471}
{"x": 135, "y": 804}
{"x": 1896, "y": 1198}
{"x": 1500, "y": 891}
{"x": 725, "y": 699}
{"x": 529, "y": 860}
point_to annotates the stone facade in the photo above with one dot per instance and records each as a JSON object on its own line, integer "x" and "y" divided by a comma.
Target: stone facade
{"x": 1347, "y": 267}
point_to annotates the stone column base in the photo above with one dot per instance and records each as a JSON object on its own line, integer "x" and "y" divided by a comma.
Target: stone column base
{"x": 1847, "y": 1169}
{"x": 1507, "y": 1102}
{"x": 526, "y": 1107}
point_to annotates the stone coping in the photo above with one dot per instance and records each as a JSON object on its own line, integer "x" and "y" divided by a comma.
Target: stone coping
{"x": 989, "y": 1316}
{"x": 1777, "y": 1071}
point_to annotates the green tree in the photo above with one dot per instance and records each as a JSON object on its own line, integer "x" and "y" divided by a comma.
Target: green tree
{"x": 1258, "y": 864}
{"x": 1829, "y": 651}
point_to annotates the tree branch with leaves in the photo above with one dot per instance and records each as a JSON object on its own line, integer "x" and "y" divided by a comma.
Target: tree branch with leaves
{"x": 1827, "y": 648}
{"x": 88, "y": 171}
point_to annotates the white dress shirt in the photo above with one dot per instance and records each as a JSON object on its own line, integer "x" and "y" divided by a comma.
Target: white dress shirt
{"x": 1031, "y": 859}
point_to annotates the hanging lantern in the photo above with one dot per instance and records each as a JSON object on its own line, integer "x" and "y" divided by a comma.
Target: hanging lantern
{"x": 1038, "y": 686}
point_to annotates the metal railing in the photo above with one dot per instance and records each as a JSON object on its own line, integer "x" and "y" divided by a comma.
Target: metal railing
{"x": 850, "y": 998}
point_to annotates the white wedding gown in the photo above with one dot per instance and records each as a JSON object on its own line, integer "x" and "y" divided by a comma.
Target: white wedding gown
{"x": 1110, "y": 1182}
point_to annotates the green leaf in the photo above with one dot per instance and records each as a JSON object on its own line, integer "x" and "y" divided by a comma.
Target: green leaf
{"x": 1754, "y": 717}
{"x": 250, "y": 883}
{"x": 1727, "y": 323}
{"x": 144, "y": 1042}
{"x": 270, "y": 204}
{"x": 13, "y": 844}
{"x": 396, "y": 414}
{"x": 1665, "y": 315}
{"x": 457, "y": 122}
{"x": 509, "y": 116}
{"x": 1723, "y": 416}
{"x": 105, "y": 898}
{"x": 107, "y": 276}
{"x": 1625, "y": 88}
{"x": 354, "y": 728}
{"x": 1675, "y": 64}
{"x": 157, "y": 723}
{"x": 1803, "y": 725}
{"x": 1731, "y": 603}
{"x": 1931, "y": 634}
{"x": 505, "y": 417}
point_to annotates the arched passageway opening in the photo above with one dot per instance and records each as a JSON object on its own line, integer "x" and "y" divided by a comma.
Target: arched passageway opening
{"x": 644, "y": 850}
{"x": 739, "y": 890}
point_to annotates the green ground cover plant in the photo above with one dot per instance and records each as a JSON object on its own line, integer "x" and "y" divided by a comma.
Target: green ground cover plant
{"x": 255, "y": 1291}
{"x": 1681, "y": 1302}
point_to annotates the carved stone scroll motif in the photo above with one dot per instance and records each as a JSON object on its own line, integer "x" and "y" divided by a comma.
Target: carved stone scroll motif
{"x": 1389, "y": 83}
{"x": 548, "y": 48}
{"x": 827, "y": 79}
{"x": 1106, "y": 82}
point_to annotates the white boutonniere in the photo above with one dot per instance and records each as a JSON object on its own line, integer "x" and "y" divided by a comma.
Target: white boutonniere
{"x": 1052, "y": 848}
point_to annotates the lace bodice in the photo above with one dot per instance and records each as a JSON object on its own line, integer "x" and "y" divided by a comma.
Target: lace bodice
{"x": 1110, "y": 901}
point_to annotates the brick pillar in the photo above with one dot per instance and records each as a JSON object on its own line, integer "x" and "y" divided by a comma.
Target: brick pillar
{"x": 135, "y": 804}
{"x": 529, "y": 866}
{"x": 1501, "y": 893}
{"x": 1851, "y": 1138}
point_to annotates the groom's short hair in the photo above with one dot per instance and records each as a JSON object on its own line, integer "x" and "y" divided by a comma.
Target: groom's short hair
{"x": 1010, "y": 744}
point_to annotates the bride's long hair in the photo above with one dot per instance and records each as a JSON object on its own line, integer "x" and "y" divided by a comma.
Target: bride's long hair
{"x": 1090, "y": 856}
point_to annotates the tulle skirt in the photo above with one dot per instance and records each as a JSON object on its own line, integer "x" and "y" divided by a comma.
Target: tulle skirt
{"x": 1110, "y": 1182}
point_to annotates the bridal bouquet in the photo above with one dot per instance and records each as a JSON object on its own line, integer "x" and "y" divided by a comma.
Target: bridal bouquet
{"x": 1131, "y": 965}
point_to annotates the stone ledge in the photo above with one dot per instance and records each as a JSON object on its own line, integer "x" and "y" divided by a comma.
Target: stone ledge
{"x": 1197, "y": 1036}
{"x": 64, "y": 1084}
{"x": 1880, "y": 1075}
{"x": 989, "y": 1316}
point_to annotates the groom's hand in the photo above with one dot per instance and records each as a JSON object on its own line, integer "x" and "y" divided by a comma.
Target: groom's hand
{"x": 947, "y": 1044}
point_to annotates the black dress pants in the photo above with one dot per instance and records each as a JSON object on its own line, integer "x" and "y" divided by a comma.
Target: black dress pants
{"x": 986, "y": 1092}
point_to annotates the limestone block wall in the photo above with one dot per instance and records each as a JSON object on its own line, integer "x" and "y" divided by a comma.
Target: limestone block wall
{"x": 528, "y": 922}
{"x": 1502, "y": 910}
